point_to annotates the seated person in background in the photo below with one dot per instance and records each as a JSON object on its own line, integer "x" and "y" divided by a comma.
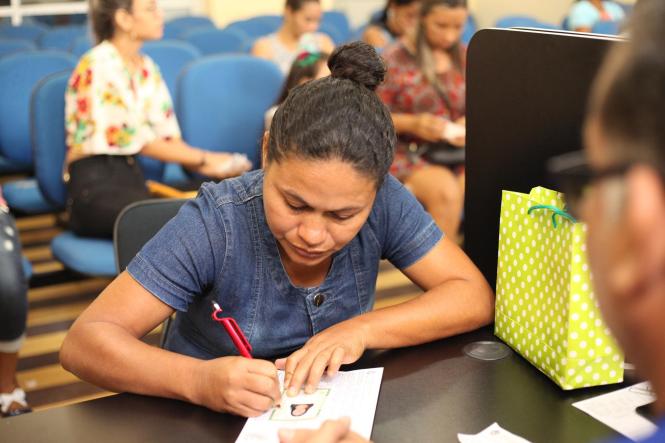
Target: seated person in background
{"x": 13, "y": 313}
{"x": 425, "y": 91}
{"x": 118, "y": 106}
{"x": 586, "y": 13}
{"x": 292, "y": 253}
{"x": 307, "y": 66}
{"x": 297, "y": 34}
{"x": 399, "y": 18}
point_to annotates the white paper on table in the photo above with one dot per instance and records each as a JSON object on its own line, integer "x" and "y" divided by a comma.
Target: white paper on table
{"x": 349, "y": 394}
{"x": 493, "y": 434}
{"x": 617, "y": 410}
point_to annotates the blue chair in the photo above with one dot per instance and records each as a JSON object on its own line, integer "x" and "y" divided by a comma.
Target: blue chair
{"x": 470, "y": 28}
{"x": 61, "y": 38}
{"x": 254, "y": 27}
{"x": 216, "y": 41}
{"x": 335, "y": 35}
{"x": 339, "y": 21}
{"x": 171, "y": 56}
{"x": 81, "y": 45}
{"x": 607, "y": 27}
{"x": 11, "y": 46}
{"x": 222, "y": 100}
{"x": 176, "y": 27}
{"x": 84, "y": 255}
{"x": 26, "y": 31}
{"x": 521, "y": 21}
{"x": 23, "y": 71}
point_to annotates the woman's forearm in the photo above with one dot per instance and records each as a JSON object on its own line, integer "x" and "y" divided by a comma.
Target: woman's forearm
{"x": 404, "y": 123}
{"x": 451, "y": 308}
{"x": 106, "y": 355}
{"x": 174, "y": 151}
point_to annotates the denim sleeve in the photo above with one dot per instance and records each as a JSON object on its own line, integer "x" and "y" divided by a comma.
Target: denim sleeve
{"x": 407, "y": 231}
{"x": 180, "y": 262}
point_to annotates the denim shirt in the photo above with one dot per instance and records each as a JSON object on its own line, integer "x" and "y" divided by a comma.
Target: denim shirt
{"x": 220, "y": 248}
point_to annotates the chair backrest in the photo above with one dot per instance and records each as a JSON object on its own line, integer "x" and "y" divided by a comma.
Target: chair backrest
{"x": 339, "y": 21}
{"x": 216, "y": 41}
{"x": 331, "y": 31}
{"x": 177, "y": 26}
{"x": 138, "y": 223}
{"x": 222, "y": 100}
{"x": 255, "y": 27}
{"x": 607, "y": 27}
{"x": 27, "y": 31}
{"x": 61, "y": 38}
{"x": 23, "y": 71}
{"x": 81, "y": 45}
{"x": 48, "y": 136}
{"x": 470, "y": 28}
{"x": 11, "y": 46}
{"x": 171, "y": 56}
{"x": 521, "y": 21}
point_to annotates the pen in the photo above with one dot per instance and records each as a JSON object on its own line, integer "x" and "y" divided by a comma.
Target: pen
{"x": 234, "y": 331}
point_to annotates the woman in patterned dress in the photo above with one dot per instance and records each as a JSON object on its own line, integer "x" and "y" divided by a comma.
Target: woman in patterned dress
{"x": 425, "y": 92}
{"x": 117, "y": 106}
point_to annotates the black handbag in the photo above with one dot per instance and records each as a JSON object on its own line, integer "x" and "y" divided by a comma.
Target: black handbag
{"x": 441, "y": 153}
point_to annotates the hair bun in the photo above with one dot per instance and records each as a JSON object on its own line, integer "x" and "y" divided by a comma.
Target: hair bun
{"x": 359, "y": 62}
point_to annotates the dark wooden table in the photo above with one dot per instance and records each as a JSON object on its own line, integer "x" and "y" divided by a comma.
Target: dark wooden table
{"x": 429, "y": 394}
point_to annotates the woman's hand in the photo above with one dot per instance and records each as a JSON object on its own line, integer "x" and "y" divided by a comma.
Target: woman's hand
{"x": 331, "y": 431}
{"x": 428, "y": 127}
{"x": 241, "y": 386}
{"x": 223, "y": 165}
{"x": 340, "y": 344}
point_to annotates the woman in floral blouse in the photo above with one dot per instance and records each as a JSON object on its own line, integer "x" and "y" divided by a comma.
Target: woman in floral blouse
{"x": 425, "y": 92}
{"x": 117, "y": 106}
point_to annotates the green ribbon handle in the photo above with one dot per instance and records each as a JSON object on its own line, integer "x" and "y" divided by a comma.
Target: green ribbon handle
{"x": 556, "y": 211}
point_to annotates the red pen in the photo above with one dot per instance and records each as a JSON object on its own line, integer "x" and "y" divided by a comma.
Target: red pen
{"x": 233, "y": 330}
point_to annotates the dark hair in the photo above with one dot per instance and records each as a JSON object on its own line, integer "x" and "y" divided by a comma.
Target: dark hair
{"x": 383, "y": 18}
{"x": 102, "y": 16}
{"x": 305, "y": 66}
{"x": 424, "y": 52}
{"x": 629, "y": 95}
{"x": 296, "y": 5}
{"x": 338, "y": 117}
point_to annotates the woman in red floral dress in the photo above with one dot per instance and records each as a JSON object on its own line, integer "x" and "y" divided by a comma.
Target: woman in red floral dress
{"x": 425, "y": 91}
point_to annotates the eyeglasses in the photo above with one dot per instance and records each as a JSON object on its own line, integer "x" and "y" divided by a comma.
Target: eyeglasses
{"x": 574, "y": 176}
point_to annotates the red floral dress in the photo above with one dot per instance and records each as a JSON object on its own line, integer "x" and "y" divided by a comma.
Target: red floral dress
{"x": 406, "y": 90}
{"x": 108, "y": 110}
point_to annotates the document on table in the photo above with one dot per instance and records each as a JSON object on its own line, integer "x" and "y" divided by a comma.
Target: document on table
{"x": 617, "y": 410}
{"x": 492, "y": 434}
{"x": 349, "y": 394}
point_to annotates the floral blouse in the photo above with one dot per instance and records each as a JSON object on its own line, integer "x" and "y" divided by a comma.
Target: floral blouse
{"x": 110, "y": 111}
{"x": 406, "y": 90}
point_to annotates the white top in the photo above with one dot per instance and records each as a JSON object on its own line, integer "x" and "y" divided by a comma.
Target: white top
{"x": 109, "y": 110}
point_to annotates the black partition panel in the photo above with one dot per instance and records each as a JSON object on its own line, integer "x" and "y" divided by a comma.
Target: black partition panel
{"x": 526, "y": 98}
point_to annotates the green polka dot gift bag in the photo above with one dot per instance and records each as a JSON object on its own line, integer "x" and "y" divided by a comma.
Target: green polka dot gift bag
{"x": 545, "y": 307}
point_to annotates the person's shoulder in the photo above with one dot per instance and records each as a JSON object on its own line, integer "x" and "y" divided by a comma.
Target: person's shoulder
{"x": 261, "y": 46}
{"x": 234, "y": 191}
{"x": 397, "y": 52}
{"x": 392, "y": 193}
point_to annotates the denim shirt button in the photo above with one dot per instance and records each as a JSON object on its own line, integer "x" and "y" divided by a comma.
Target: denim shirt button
{"x": 319, "y": 299}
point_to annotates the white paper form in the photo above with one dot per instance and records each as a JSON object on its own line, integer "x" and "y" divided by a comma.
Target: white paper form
{"x": 349, "y": 394}
{"x": 493, "y": 434}
{"x": 617, "y": 410}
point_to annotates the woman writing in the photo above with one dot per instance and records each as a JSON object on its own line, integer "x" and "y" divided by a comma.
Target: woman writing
{"x": 292, "y": 253}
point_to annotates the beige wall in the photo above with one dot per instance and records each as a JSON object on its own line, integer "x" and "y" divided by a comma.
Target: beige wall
{"x": 226, "y": 11}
